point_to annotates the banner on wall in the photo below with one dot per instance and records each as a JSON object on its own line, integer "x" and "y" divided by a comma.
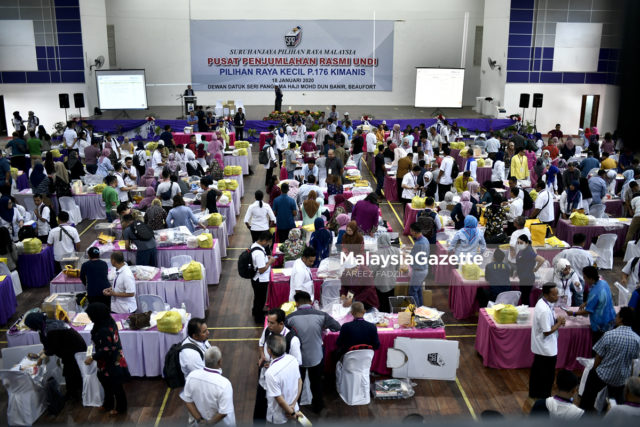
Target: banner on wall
{"x": 295, "y": 55}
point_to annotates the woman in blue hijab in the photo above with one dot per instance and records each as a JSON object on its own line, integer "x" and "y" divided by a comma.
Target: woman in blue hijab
{"x": 37, "y": 176}
{"x": 468, "y": 240}
{"x": 321, "y": 241}
{"x": 571, "y": 199}
{"x": 552, "y": 182}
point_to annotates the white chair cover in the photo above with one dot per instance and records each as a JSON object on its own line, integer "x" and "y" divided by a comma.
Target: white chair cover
{"x": 509, "y": 297}
{"x": 597, "y": 210}
{"x": 29, "y": 204}
{"x": 92, "y": 391}
{"x": 11, "y": 356}
{"x": 624, "y": 295}
{"x": 632, "y": 251}
{"x": 604, "y": 248}
{"x": 150, "y": 303}
{"x": 180, "y": 260}
{"x": 68, "y": 204}
{"x": 26, "y": 398}
{"x": 17, "y": 286}
{"x": 352, "y": 377}
{"x": 330, "y": 292}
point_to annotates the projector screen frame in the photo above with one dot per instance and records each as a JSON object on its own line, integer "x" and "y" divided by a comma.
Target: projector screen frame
{"x": 124, "y": 70}
{"x": 437, "y": 107}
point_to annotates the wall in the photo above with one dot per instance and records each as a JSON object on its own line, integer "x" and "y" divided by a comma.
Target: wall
{"x": 494, "y": 46}
{"x": 562, "y": 104}
{"x": 426, "y": 34}
{"x": 93, "y": 14}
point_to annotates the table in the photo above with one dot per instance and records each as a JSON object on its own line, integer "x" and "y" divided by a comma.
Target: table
{"x": 36, "y": 270}
{"x": 235, "y": 196}
{"x": 183, "y": 138}
{"x": 193, "y": 293}
{"x": 209, "y": 257}
{"x": 91, "y": 206}
{"x": 240, "y": 180}
{"x": 220, "y": 233}
{"x": 565, "y": 231}
{"x": 386, "y": 336}
{"x": 278, "y": 290}
{"x": 483, "y": 174}
{"x": 228, "y": 212}
{"x": 143, "y": 349}
{"x": 462, "y": 294}
{"x": 242, "y": 161}
{"x": 22, "y": 182}
{"x": 8, "y": 303}
{"x": 614, "y": 207}
{"x": 410, "y": 216}
{"x": 509, "y": 346}
{"x": 390, "y": 188}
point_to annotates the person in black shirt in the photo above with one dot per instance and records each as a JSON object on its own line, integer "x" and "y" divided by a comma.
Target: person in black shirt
{"x": 357, "y": 332}
{"x": 93, "y": 274}
{"x": 278, "y": 105}
{"x": 167, "y": 137}
{"x": 189, "y": 91}
{"x": 356, "y": 147}
{"x": 379, "y": 162}
{"x": 238, "y": 124}
{"x": 210, "y": 196}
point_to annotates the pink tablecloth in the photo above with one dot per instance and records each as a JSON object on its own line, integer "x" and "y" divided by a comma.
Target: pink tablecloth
{"x": 278, "y": 291}
{"x": 410, "y": 216}
{"x": 183, "y": 138}
{"x": 442, "y": 271}
{"x": 509, "y": 346}
{"x": 462, "y": 295}
{"x": 387, "y": 337}
{"x": 565, "y": 231}
{"x": 390, "y": 188}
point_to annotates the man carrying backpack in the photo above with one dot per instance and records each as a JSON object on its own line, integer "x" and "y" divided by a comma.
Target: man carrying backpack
{"x": 142, "y": 236}
{"x": 187, "y": 356}
{"x": 255, "y": 264}
{"x": 429, "y": 221}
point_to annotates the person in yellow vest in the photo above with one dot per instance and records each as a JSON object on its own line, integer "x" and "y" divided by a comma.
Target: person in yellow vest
{"x": 461, "y": 181}
{"x": 607, "y": 163}
{"x": 520, "y": 168}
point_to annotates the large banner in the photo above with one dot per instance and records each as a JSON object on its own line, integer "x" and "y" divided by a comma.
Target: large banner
{"x": 295, "y": 55}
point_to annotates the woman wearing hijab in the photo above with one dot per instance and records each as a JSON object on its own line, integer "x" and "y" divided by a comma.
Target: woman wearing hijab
{"x": 527, "y": 263}
{"x": 61, "y": 181}
{"x": 104, "y": 164}
{"x": 36, "y": 177}
{"x": 486, "y": 196}
{"x": 58, "y": 339}
{"x": 294, "y": 245}
{"x": 429, "y": 184}
{"x": 568, "y": 150}
{"x": 155, "y": 216}
{"x": 342, "y": 220}
{"x": 321, "y": 240}
{"x": 112, "y": 366}
{"x": 148, "y": 179}
{"x": 149, "y": 196}
{"x": 496, "y": 218}
{"x": 385, "y": 277}
{"x": 341, "y": 202}
{"x": 474, "y": 190}
{"x": 509, "y": 153}
{"x": 380, "y": 134}
{"x": 552, "y": 178}
{"x": 75, "y": 166}
{"x": 214, "y": 147}
{"x": 216, "y": 167}
{"x": 608, "y": 144}
{"x": 586, "y": 194}
{"x": 172, "y": 164}
{"x": 10, "y": 218}
{"x": 352, "y": 240}
{"x": 396, "y": 135}
{"x": 468, "y": 240}
{"x": 462, "y": 209}
{"x": 539, "y": 143}
{"x": 571, "y": 199}
{"x": 568, "y": 283}
{"x": 366, "y": 214}
{"x": 311, "y": 208}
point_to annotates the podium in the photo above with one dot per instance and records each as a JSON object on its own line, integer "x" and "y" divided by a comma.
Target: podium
{"x": 189, "y": 104}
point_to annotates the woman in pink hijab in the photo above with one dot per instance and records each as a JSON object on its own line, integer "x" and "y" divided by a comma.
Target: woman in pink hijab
{"x": 215, "y": 146}
{"x": 149, "y": 195}
{"x": 104, "y": 164}
{"x": 148, "y": 178}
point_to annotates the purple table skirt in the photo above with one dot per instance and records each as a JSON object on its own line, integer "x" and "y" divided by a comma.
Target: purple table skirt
{"x": 483, "y": 174}
{"x": 565, "y": 231}
{"x": 91, "y": 206}
{"x": 228, "y": 213}
{"x": 36, "y": 270}
{"x": 144, "y": 350}
{"x": 22, "y": 183}
{"x": 221, "y": 234}
{"x": 8, "y": 303}
{"x": 194, "y": 293}
{"x": 242, "y": 161}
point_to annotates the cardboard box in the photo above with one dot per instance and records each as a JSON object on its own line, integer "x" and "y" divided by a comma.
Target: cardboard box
{"x": 427, "y": 295}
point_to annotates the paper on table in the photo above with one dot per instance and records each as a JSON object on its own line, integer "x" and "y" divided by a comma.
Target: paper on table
{"x": 121, "y": 244}
{"x": 283, "y": 271}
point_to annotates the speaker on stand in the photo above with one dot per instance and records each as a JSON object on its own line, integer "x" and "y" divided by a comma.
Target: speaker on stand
{"x": 524, "y": 103}
{"x": 537, "y": 103}
{"x": 78, "y": 101}
{"x": 63, "y": 99}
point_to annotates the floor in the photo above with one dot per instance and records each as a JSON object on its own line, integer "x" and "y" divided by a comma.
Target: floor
{"x": 150, "y": 401}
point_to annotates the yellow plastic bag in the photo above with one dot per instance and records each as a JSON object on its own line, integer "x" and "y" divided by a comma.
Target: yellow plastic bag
{"x": 55, "y": 153}
{"x": 528, "y": 222}
{"x": 227, "y": 193}
{"x": 539, "y": 234}
{"x": 153, "y": 145}
{"x": 32, "y": 246}
{"x": 505, "y": 313}
{"x": 69, "y": 271}
{"x": 533, "y": 194}
{"x": 105, "y": 238}
{"x": 418, "y": 202}
{"x": 191, "y": 271}
{"x": 14, "y": 173}
{"x": 471, "y": 271}
{"x": 242, "y": 144}
{"x": 227, "y": 170}
{"x": 577, "y": 218}
{"x": 214, "y": 219}
{"x": 99, "y": 188}
{"x": 205, "y": 240}
{"x": 237, "y": 170}
{"x": 288, "y": 307}
{"x": 309, "y": 228}
{"x": 555, "y": 242}
{"x": 480, "y": 163}
{"x": 170, "y": 322}
{"x": 230, "y": 184}
{"x": 61, "y": 314}
{"x": 482, "y": 221}
{"x": 242, "y": 152}
{"x": 222, "y": 185}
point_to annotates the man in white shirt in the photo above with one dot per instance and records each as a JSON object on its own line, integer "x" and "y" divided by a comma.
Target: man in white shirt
{"x": 283, "y": 381}
{"x": 301, "y": 279}
{"x": 156, "y": 159}
{"x": 64, "y": 238}
{"x": 544, "y": 343}
{"x": 130, "y": 173}
{"x": 435, "y": 138}
{"x": 515, "y": 204}
{"x": 208, "y": 395}
{"x": 123, "y": 292}
{"x": 262, "y": 263}
{"x": 83, "y": 143}
{"x": 123, "y": 189}
{"x": 194, "y": 346}
{"x": 187, "y": 158}
{"x": 410, "y": 185}
{"x": 301, "y": 133}
{"x": 371, "y": 142}
{"x": 43, "y": 217}
{"x": 444, "y": 176}
{"x": 518, "y": 223}
{"x": 543, "y": 208}
{"x": 112, "y": 143}
{"x": 307, "y": 188}
{"x": 629, "y": 408}
{"x": 493, "y": 144}
{"x": 321, "y": 134}
{"x": 167, "y": 188}
{"x": 275, "y": 326}
{"x": 70, "y": 136}
{"x": 309, "y": 169}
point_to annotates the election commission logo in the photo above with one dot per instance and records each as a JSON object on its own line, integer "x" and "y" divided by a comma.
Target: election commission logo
{"x": 293, "y": 37}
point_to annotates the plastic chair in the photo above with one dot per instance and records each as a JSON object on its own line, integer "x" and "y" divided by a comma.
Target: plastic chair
{"x": 624, "y": 295}
{"x": 180, "y": 260}
{"x": 17, "y": 285}
{"x": 27, "y": 400}
{"x": 352, "y": 377}
{"x": 151, "y": 303}
{"x": 11, "y": 356}
{"x": 92, "y": 391}
{"x": 330, "y": 292}
{"x": 509, "y": 297}
{"x": 632, "y": 251}
{"x": 29, "y": 204}
{"x": 597, "y": 210}
{"x": 604, "y": 249}
{"x": 68, "y": 204}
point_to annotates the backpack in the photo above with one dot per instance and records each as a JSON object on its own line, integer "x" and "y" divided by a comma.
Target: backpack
{"x": 455, "y": 170}
{"x": 246, "y": 269}
{"x": 53, "y": 221}
{"x": 527, "y": 201}
{"x": 142, "y": 231}
{"x": 166, "y": 195}
{"x": 426, "y": 221}
{"x": 263, "y": 156}
{"x": 288, "y": 338}
{"x": 172, "y": 371}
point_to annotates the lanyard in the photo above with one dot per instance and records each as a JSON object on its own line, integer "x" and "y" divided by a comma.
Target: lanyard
{"x": 115, "y": 280}
{"x": 213, "y": 371}
{"x": 553, "y": 315}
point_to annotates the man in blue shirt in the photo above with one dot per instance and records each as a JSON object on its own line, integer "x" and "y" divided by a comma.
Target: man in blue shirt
{"x": 599, "y": 305}
{"x": 598, "y": 187}
{"x": 309, "y": 168}
{"x": 420, "y": 268}
{"x": 358, "y": 332}
{"x": 18, "y": 150}
{"x": 589, "y": 163}
{"x": 286, "y": 210}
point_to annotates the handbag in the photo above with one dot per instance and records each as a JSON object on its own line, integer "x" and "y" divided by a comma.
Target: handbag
{"x": 139, "y": 320}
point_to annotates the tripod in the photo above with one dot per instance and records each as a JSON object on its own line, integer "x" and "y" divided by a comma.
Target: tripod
{"x": 180, "y": 98}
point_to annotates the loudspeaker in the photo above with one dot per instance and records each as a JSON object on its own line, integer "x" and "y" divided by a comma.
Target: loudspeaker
{"x": 63, "y": 98}
{"x": 78, "y": 100}
{"x": 537, "y": 100}
{"x": 524, "y": 100}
